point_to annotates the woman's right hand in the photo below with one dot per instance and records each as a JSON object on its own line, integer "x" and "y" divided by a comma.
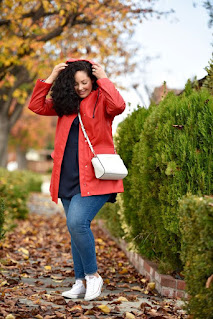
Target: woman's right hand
{"x": 55, "y": 72}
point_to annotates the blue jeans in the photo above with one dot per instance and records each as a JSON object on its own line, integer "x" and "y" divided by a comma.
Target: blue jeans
{"x": 80, "y": 211}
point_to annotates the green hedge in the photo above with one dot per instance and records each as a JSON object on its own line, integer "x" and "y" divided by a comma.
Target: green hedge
{"x": 172, "y": 158}
{"x": 196, "y": 227}
{"x": 14, "y": 189}
{"x": 127, "y": 135}
{"x": 168, "y": 150}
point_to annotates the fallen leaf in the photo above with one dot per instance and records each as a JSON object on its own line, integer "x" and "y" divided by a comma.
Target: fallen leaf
{"x": 121, "y": 298}
{"x": 59, "y": 300}
{"x": 129, "y": 315}
{"x": 100, "y": 240}
{"x": 3, "y": 283}
{"x": 151, "y": 286}
{"x": 143, "y": 280}
{"x": 48, "y": 243}
{"x": 137, "y": 288}
{"x": 124, "y": 271}
{"x": 104, "y": 308}
{"x": 60, "y": 315}
{"x": 56, "y": 278}
{"x": 25, "y": 275}
{"x": 24, "y": 251}
{"x": 76, "y": 308}
{"x": 89, "y": 312}
{"x": 47, "y": 267}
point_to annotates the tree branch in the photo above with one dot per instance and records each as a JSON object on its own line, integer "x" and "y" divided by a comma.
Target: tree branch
{"x": 58, "y": 30}
{"x": 5, "y": 22}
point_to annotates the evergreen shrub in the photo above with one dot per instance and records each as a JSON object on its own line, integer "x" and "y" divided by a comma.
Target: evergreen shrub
{"x": 127, "y": 135}
{"x": 168, "y": 151}
{"x": 172, "y": 158}
{"x": 110, "y": 214}
{"x": 14, "y": 189}
{"x": 196, "y": 227}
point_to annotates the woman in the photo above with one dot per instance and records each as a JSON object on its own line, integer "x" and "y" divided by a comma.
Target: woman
{"x": 80, "y": 85}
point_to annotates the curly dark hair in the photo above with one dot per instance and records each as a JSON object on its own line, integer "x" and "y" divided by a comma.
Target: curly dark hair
{"x": 65, "y": 99}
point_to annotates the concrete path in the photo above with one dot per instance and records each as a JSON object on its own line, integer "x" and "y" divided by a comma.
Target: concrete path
{"x": 37, "y": 267}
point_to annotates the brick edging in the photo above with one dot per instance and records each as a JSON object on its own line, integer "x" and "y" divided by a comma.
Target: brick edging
{"x": 166, "y": 285}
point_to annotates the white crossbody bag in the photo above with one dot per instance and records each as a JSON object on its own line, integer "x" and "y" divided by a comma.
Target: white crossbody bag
{"x": 106, "y": 166}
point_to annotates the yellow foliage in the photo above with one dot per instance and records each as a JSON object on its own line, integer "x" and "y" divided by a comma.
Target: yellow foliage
{"x": 124, "y": 271}
{"x": 61, "y": 13}
{"x": 122, "y": 299}
{"x": 151, "y": 286}
{"x": 129, "y": 315}
{"x": 46, "y": 4}
{"x": 3, "y": 283}
{"x": 24, "y": 251}
{"x": 104, "y": 308}
{"x": 47, "y": 267}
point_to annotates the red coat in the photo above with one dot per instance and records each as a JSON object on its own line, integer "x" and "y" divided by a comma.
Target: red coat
{"x": 99, "y": 129}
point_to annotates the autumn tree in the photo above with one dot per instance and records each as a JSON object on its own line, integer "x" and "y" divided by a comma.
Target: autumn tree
{"x": 31, "y": 131}
{"x": 37, "y": 34}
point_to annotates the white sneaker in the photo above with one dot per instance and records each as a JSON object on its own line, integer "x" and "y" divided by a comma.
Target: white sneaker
{"x": 94, "y": 285}
{"x": 77, "y": 291}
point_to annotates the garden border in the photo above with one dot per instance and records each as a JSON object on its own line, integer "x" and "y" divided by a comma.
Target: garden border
{"x": 166, "y": 285}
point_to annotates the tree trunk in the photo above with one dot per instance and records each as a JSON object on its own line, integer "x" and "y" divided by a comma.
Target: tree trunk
{"x": 9, "y": 117}
{"x": 21, "y": 158}
{"x": 4, "y": 134}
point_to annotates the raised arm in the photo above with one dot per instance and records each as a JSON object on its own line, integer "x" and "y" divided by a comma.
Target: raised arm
{"x": 38, "y": 102}
{"x": 114, "y": 102}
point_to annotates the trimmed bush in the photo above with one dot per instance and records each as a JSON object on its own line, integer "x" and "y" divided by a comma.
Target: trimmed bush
{"x": 127, "y": 135}
{"x": 196, "y": 227}
{"x": 172, "y": 158}
{"x": 15, "y": 188}
{"x": 168, "y": 151}
{"x": 110, "y": 214}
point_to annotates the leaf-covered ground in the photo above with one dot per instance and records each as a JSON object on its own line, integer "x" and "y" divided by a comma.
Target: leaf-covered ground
{"x": 36, "y": 266}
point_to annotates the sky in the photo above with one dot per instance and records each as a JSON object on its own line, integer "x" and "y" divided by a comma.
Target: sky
{"x": 179, "y": 46}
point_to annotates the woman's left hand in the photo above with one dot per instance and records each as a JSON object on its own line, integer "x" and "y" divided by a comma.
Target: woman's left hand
{"x": 98, "y": 71}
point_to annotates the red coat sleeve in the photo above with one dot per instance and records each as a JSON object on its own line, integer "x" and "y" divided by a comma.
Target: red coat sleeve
{"x": 38, "y": 102}
{"x": 114, "y": 102}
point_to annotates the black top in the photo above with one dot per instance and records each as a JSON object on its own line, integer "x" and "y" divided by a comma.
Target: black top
{"x": 69, "y": 179}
